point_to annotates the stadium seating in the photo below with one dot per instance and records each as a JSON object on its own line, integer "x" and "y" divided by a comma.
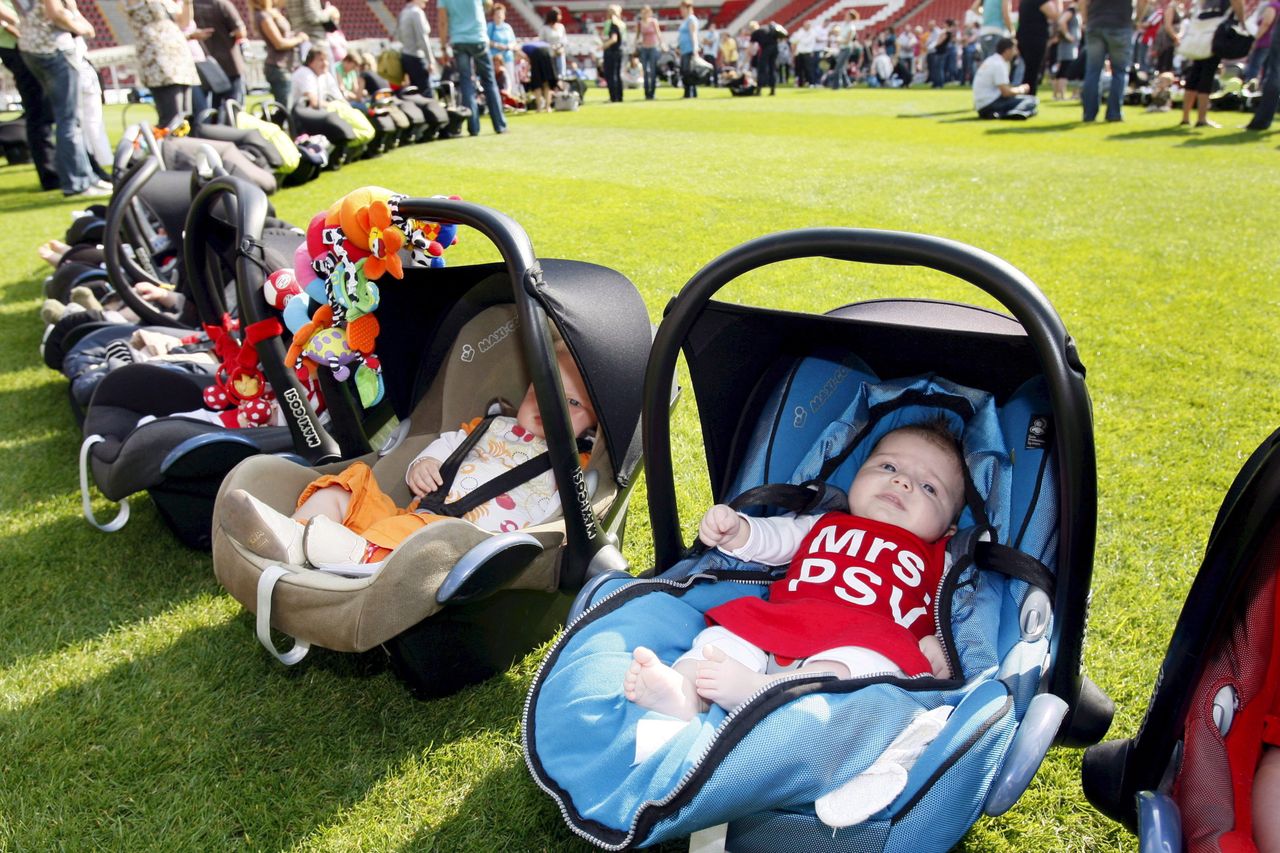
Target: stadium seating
{"x": 103, "y": 34}
{"x": 934, "y": 10}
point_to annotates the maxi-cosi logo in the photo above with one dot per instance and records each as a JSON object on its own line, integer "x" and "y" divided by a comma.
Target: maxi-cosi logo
{"x": 301, "y": 417}
{"x": 584, "y": 501}
{"x": 828, "y": 388}
{"x": 490, "y": 340}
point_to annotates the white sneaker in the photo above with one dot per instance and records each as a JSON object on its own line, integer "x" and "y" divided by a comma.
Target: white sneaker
{"x": 92, "y": 191}
{"x": 262, "y": 530}
{"x": 327, "y": 544}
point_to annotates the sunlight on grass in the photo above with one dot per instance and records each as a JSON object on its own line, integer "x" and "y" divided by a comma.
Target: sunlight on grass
{"x": 32, "y": 679}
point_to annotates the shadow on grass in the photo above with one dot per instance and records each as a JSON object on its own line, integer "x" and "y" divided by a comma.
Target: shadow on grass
{"x": 1025, "y": 127}
{"x": 1156, "y": 133}
{"x": 206, "y": 743}
{"x": 933, "y": 114}
{"x": 67, "y": 583}
{"x": 1237, "y": 137}
{"x": 505, "y": 810}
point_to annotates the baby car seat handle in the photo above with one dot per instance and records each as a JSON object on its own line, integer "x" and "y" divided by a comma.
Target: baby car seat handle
{"x": 1053, "y": 347}
{"x": 588, "y": 550}
{"x": 247, "y": 205}
{"x": 122, "y": 271}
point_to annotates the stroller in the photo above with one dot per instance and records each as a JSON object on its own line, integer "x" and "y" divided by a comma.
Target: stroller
{"x": 454, "y": 603}
{"x": 816, "y": 392}
{"x": 1187, "y": 775}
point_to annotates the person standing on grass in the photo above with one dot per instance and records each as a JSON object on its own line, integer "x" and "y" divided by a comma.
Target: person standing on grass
{"x": 993, "y": 95}
{"x": 848, "y": 37}
{"x": 37, "y": 110}
{"x": 649, "y": 42}
{"x": 997, "y": 21}
{"x": 906, "y": 43}
{"x": 1265, "y": 112}
{"x": 553, "y": 34}
{"x": 165, "y": 63}
{"x": 765, "y": 40}
{"x": 502, "y": 46}
{"x": 615, "y": 35}
{"x": 1266, "y": 31}
{"x": 413, "y": 31}
{"x": 1068, "y": 51}
{"x": 1108, "y": 28}
{"x": 806, "y": 45}
{"x": 462, "y": 31}
{"x": 226, "y": 32}
{"x": 309, "y": 17}
{"x": 1034, "y": 17}
{"x": 1199, "y": 77}
{"x": 47, "y": 44}
{"x": 688, "y": 42}
{"x": 282, "y": 48}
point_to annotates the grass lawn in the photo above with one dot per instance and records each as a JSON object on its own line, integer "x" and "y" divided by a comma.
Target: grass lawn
{"x": 137, "y": 710}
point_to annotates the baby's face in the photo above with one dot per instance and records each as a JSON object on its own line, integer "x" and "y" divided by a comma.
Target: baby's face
{"x": 581, "y": 415}
{"x": 910, "y": 482}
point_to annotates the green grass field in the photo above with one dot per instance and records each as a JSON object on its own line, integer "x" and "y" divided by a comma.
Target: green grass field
{"x": 137, "y": 710}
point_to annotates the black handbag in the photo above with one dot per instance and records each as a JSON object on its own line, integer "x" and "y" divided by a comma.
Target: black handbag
{"x": 1231, "y": 40}
{"x": 212, "y": 77}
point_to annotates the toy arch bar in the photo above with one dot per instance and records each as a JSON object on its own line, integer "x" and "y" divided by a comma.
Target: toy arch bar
{"x": 1054, "y": 350}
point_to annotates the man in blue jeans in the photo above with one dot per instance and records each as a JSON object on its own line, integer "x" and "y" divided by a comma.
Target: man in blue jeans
{"x": 47, "y": 45}
{"x": 1108, "y": 33}
{"x": 1265, "y": 111}
{"x": 463, "y": 32}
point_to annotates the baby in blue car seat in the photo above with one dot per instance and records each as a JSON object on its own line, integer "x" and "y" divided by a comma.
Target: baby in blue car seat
{"x": 859, "y": 595}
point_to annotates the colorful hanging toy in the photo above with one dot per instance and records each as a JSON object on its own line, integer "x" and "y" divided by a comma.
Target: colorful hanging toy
{"x": 240, "y": 391}
{"x": 349, "y": 247}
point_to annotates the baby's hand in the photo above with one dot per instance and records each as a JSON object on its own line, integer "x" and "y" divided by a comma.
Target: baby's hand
{"x": 424, "y": 476}
{"x": 723, "y": 528}
{"x": 931, "y": 648}
{"x": 150, "y": 293}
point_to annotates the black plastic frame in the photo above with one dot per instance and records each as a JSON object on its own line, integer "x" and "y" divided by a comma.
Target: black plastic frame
{"x": 1055, "y": 352}
{"x": 121, "y": 270}
{"x": 248, "y": 206}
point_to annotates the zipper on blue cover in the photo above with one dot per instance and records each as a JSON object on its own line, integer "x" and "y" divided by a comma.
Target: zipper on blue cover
{"x": 638, "y": 587}
{"x": 633, "y": 588}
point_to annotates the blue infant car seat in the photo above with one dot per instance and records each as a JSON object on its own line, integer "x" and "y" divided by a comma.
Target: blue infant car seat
{"x": 816, "y": 393}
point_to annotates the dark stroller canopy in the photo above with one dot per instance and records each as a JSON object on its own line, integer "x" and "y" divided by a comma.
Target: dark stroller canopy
{"x": 581, "y": 299}
{"x": 759, "y": 344}
{"x": 421, "y": 314}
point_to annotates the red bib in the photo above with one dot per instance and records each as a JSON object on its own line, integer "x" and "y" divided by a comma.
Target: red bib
{"x": 853, "y": 582}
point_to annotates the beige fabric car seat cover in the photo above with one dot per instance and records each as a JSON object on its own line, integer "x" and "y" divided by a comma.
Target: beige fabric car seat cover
{"x": 356, "y": 614}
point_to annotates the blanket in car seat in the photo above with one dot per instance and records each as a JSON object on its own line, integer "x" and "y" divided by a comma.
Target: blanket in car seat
{"x": 800, "y": 739}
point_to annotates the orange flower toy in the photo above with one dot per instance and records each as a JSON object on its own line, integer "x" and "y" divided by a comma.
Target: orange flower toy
{"x": 350, "y": 246}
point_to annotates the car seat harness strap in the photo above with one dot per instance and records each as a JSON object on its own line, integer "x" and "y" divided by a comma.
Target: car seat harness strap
{"x": 485, "y": 492}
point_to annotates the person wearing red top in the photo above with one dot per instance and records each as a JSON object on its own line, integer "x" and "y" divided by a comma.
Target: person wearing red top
{"x": 858, "y": 597}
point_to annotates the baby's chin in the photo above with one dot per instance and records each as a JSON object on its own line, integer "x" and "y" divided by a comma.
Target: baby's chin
{"x": 888, "y": 515}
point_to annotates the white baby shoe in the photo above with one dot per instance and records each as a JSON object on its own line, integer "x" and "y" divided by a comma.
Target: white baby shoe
{"x": 261, "y": 529}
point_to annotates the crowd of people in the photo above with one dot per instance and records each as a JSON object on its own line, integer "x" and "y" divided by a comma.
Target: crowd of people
{"x": 190, "y": 57}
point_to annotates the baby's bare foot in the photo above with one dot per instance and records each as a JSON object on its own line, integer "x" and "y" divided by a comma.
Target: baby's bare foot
{"x": 652, "y": 684}
{"x": 724, "y": 681}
